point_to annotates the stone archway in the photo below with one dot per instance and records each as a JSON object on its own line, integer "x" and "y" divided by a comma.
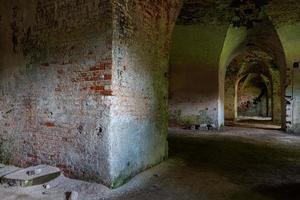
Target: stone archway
{"x": 258, "y": 62}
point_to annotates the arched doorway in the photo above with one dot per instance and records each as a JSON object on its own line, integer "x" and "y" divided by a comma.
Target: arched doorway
{"x": 254, "y": 98}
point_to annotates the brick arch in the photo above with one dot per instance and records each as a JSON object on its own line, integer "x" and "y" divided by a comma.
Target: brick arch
{"x": 252, "y": 61}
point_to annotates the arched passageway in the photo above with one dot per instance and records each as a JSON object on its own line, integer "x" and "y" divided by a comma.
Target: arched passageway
{"x": 242, "y": 70}
{"x": 258, "y": 50}
{"x": 202, "y": 88}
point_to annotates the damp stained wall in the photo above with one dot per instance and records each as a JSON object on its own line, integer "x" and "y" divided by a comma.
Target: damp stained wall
{"x": 194, "y": 73}
{"x": 138, "y": 129}
{"x": 55, "y": 92}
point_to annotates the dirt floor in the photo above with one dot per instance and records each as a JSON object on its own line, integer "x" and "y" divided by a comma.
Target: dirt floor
{"x": 234, "y": 164}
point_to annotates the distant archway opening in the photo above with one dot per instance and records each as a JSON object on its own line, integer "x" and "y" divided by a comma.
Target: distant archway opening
{"x": 252, "y": 90}
{"x": 254, "y": 98}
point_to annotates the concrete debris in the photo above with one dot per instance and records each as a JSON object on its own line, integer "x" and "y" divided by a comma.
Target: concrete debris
{"x": 46, "y": 186}
{"x": 31, "y": 176}
{"x": 72, "y": 195}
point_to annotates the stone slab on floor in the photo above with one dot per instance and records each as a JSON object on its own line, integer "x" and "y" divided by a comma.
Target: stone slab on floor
{"x": 31, "y": 176}
{"x": 7, "y": 169}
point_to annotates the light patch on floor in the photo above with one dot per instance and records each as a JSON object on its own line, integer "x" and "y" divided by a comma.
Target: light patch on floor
{"x": 233, "y": 164}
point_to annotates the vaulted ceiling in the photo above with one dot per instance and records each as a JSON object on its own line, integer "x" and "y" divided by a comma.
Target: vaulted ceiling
{"x": 224, "y": 11}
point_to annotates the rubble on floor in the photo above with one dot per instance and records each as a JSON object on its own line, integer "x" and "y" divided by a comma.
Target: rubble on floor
{"x": 31, "y": 176}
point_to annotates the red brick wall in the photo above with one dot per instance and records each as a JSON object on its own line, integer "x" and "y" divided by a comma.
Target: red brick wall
{"x": 56, "y": 75}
